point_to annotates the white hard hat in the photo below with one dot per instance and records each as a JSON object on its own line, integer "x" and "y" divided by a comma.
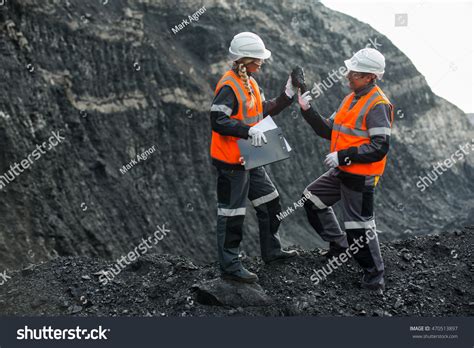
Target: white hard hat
{"x": 367, "y": 60}
{"x": 248, "y": 44}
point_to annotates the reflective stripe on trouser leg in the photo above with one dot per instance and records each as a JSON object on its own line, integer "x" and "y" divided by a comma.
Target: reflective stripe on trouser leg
{"x": 232, "y": 189}
{"x": 266, "y": 201}
{"x": 359, "y": 223}
{"x": 323, "y": 193}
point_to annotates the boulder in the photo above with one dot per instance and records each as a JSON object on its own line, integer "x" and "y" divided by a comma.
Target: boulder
{"x": 220, "y": 292}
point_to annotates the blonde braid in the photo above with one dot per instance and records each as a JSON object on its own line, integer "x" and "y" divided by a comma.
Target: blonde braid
{"x": 242, "y": 71}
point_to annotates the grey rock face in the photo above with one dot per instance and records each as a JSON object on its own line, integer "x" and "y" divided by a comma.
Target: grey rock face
{"x": 115, "y": 81}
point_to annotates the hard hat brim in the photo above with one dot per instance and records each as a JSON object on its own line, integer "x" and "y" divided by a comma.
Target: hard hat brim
{"x": 352, "y": 67}
{"x": 265, "y": 55}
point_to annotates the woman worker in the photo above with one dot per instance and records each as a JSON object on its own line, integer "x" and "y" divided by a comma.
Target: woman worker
{"x": 237, "y": 106}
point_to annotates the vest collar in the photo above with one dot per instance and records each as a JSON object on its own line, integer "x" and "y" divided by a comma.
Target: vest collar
{"x": 364, "y": 90}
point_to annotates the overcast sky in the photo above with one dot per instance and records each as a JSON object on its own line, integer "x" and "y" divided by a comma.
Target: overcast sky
{"x": 436, "y": 35}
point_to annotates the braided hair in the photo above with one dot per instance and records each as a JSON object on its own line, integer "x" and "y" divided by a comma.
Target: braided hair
{"x": 239, "y": 67}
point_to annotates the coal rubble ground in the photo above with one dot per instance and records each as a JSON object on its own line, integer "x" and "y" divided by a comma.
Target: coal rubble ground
{"x": 426, "y": 276}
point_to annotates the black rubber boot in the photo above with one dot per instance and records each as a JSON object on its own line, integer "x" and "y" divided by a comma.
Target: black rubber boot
{"x": 242, "y": 275}
{"x": 281, "y": 257}
{"x": 334, "y": 251}
{"x": 377, "y": 289}
{"x": 374, "y": 289}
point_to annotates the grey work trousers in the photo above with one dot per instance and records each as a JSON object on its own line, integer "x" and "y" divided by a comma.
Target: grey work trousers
{"x": 233, "y": 189}
{"x": 357, "y": 195}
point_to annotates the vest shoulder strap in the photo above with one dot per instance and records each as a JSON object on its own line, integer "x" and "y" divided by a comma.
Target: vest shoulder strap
{"x": 230, "y": 80}
{"x": 380, "y": 98}
{"x": 344, "y": 101}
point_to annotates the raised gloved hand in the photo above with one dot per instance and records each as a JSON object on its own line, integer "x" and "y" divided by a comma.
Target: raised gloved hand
{"x": 304, "y": 100}
{"x": 290, "y": 90}
{"x": 331, "y": 160}
{"x": 257, "y": 136}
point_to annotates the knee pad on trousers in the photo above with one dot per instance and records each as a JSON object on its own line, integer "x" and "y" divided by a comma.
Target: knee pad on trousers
{"x": 313, "y": 218}
{"x": 224, "y": 189}
{"x": 233, "y": 231}
{"x": 270, "y": 211}
{"x": 367, "y": 204}
{"x": 274, "y": 208}
{"x": 308, "y": 205}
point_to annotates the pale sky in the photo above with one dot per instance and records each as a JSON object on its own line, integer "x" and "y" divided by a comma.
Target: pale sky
{"x": 437, "y": 36}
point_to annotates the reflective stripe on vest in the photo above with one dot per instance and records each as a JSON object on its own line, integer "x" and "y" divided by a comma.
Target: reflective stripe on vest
{"x": 224, "y": 148}
{"x": 350, "y": 129}
{"x": 365, "y": 108}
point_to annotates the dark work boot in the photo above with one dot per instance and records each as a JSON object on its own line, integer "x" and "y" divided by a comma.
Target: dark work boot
{"x": 334, "y": 250}
{"x": 374, "y": 287}
{"x": 242, "y": 275}
{"x": 282, "y": 256}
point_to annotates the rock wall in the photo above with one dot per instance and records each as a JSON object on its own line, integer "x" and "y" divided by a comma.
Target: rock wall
{"x": 114, "y": 80}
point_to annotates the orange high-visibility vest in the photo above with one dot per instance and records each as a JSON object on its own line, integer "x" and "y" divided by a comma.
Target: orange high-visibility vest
{"x": 224, "y": 148}
{"x": 350, "y": 129}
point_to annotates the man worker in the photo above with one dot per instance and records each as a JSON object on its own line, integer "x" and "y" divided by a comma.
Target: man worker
{"x": 359, "y": 132}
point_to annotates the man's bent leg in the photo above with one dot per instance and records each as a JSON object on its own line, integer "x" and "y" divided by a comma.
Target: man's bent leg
{"x": 323, "y": 193}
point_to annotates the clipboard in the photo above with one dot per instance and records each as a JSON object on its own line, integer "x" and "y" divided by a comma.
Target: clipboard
{"x": 274, "y": 150}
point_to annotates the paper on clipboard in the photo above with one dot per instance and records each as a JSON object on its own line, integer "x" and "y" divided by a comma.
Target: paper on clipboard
{"x": 267, "y": 124}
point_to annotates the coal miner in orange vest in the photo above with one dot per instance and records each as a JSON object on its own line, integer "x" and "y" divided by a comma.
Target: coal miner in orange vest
{"x": 237, "y": 106}
{"x": 359, "y": 131}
